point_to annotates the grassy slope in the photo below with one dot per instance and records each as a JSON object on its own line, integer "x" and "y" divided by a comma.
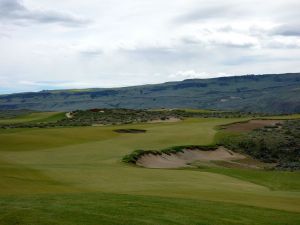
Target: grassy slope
{"x": 85, "y": 162}
{"x": 35, "y": 117}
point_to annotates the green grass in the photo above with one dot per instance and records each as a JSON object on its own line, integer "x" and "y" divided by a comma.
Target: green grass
{"x": 76, "y": 176}
{"x": 38, "y": 139}
{"x": 35, "y": 117}
{"x": 292, "y": 116}
{"x": 275, "y": 180}
{"x": 99, "y": 208}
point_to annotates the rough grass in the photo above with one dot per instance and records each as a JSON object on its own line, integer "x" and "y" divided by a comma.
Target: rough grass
{"x": 64, "y": 175}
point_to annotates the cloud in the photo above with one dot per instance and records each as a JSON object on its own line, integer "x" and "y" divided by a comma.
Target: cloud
{"x": 158, "y": 53}
{"x": 211, "y": 11}
{"x": 128, "y": 41}
{"x": 56, "y": 84}
{"x": 287, "y": 30}
{"x": 283, "y": 43}
{"x": 15, "y": 11}
{"x": 222, "y": 39}
{"x": 91, "y": 52}
{"x": 192, "y": 74}
{"x": 188, "y": 74}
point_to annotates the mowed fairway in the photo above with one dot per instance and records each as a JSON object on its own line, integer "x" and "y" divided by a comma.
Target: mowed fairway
{"x": 75, "y": 176}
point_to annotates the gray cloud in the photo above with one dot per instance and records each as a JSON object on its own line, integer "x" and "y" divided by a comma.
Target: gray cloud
{"x": 227, "y": 28}
{"x": 282, "y": 45}
{"x": 234, "y": 45}
{"x": 91, "y": 52}
{"x": 287, "y": 30}
{"x": 207, "y": 12}
{"x": 54, "y": 84}
{"x": 254, "y": 59}
{"x": 217, "y": 43}
{"x": 15, "y": 11}
{"x": 159, "y": 53}
{"x": 279, "y": 11}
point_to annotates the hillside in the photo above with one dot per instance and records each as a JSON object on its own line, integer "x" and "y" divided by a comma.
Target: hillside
{"x": 278, "y": 93}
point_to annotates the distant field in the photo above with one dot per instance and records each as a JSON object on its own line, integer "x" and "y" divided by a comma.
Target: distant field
{"x": 292, "y": 116}
{"x": 35, "y": 117}
{"x": 189, "y": 110}
{"x": 75, "y": 176}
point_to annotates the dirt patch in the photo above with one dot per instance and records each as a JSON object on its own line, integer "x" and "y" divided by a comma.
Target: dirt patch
{"x": 182, "y": 159}
{"x": 130, "y": 131}
{"x": 251, "y": 125}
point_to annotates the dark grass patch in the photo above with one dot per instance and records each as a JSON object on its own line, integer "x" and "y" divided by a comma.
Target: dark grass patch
{"x": 130, "y": 131}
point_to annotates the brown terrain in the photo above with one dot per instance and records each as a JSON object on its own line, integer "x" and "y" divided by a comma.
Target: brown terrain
{"x": 251, "y": 125}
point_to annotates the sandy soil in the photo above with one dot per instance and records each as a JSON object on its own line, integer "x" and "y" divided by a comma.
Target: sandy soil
{"x": 251, "y": 125}
{"x": 69, "y": 115}
{"x": 182, "y": 159}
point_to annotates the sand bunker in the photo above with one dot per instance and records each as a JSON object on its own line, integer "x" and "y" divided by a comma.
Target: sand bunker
{"x": 251, "y": 125}
{"x": 69, "y": 115}
{"x": 182, "y": 159}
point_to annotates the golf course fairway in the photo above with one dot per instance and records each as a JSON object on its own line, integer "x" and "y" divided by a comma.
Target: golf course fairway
{"x": 76, "y": 176}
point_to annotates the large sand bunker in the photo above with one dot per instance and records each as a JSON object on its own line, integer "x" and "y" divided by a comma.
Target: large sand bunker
{"x": 251, "y": 125}
{"x": 182, "y": 159}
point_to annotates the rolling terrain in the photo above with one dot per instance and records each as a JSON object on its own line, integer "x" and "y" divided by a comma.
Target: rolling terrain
{"x": 75, "y": 175}
{"x": 276, "y": 94}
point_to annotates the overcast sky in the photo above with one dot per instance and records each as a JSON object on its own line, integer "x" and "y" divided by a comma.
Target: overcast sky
{"x": 57, "y": 44}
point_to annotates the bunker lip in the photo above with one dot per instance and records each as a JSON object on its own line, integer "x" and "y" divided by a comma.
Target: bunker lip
{"x": 187, "y": 156}
{"x": 251, "y": 125}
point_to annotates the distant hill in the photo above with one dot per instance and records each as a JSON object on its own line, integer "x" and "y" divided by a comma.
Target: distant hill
{"x": 273, "y": 93}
